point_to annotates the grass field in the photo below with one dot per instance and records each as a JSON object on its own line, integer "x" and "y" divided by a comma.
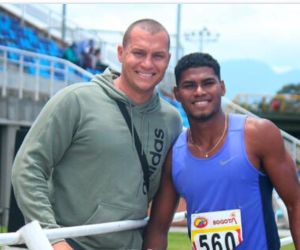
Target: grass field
{"x": 180, "y": 241}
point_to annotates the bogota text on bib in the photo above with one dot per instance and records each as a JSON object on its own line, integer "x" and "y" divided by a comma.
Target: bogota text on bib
{"x": 219, "y": 230}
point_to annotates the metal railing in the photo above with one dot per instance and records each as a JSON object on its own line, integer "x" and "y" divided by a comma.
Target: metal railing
{"x": 50, "y": 21}
{"x": 37, "y": 238}
{"x": 45, "y": 75}
{"x": 39, "y": 74}
{"x": 287, "y": 103}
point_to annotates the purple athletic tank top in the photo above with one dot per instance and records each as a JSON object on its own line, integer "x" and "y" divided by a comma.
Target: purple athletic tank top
{"x": 228, "y": 180}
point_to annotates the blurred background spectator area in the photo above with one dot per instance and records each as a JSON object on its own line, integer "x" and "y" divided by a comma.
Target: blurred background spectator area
{"x": 18, "y": 32}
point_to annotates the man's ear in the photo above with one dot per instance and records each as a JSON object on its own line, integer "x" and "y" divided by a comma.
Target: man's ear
{"x": 223, "y": 88}
{"x": 176, "y": 93}
{"x": 169, "y": 55}
{"x": 120, "y": 53}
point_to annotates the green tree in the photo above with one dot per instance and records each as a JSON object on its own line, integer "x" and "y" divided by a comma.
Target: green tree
{"x": 291, "y": 88}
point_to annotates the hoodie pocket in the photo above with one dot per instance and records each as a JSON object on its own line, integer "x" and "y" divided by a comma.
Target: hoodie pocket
{"x": 106, "y": 212}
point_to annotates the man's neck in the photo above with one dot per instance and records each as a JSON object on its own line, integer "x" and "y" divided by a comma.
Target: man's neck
{"x": 207, "y": 128}
{"x": 135, "y": 96}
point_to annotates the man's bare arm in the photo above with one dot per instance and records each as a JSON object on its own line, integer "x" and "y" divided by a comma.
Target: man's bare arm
{"x": 266, "y": 143}
{"x": 164, "y": 205}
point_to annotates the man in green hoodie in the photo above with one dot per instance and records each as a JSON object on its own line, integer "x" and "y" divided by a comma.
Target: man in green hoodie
{"x": 79, "y": 163}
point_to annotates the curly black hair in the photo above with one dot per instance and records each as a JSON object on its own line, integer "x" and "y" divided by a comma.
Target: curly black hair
{"x": 195, "y": 60}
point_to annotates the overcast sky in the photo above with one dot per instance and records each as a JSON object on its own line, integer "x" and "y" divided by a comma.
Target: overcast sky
{"x": 266, "y": 32}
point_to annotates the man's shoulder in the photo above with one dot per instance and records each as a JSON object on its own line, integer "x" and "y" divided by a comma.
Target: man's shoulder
{"x": 77, "y": 88}
{"x": 168, "y": 107}
{"x": 80, "y": 85}
{"x": 181, "y": 140}
{"x": 72, "y": 92}
{"x": 171, "y": 113}
{"x": 261, "y": 133}
{"x": 260, "y": 124}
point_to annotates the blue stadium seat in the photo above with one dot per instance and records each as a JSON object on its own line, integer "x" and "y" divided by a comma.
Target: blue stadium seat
{"x": 30, "y": 70}
{"x": 59, "y": 76}
{"x": 29, "y": 59}
{"x": 45, "y": 73}
{"x": 13, "y": 34}
{"x": 13, "y": 56}
{"x": 44, "y": 62}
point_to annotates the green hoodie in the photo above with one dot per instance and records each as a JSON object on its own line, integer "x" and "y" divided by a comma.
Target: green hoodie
{"x": 78, "y": 163}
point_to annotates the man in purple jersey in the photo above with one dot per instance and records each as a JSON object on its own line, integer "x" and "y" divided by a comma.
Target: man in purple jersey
{"x": 225, "y": 167}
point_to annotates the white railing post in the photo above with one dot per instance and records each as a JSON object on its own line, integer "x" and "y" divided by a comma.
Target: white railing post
{"x": 37, "y": 79}
{"x": 34, "y": 237}
{"x": 21, "y": 75}
{"x": 51, "y": 87}
{"x": 66, "y": 75}
{"x": 286, "y": 241}
{"x": 4, "y": 86}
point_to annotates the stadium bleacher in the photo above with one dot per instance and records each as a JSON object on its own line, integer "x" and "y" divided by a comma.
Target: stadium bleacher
{"x": 14, "y": 34}
{"x": 17, "y": 35}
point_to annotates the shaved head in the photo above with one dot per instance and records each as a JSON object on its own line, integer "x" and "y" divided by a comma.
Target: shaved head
{"x": 149, "y": 25}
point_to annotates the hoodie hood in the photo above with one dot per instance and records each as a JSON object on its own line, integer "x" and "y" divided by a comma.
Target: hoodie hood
{"x": 105, "y": 81}
{"x": 137, "y": 112}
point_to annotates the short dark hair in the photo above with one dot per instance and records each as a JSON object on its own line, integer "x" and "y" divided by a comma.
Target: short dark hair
{"x": 150, "y": 25}
{"x": 195, "y": 60}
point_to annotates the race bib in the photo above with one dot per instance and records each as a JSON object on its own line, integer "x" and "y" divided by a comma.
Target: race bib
{"x": 220, "y": 230}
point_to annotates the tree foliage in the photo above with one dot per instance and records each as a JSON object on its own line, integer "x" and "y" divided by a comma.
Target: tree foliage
{"x": 293, "y": 89}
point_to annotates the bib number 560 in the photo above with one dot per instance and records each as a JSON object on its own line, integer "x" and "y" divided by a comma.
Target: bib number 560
{"x": 217, "y": 241}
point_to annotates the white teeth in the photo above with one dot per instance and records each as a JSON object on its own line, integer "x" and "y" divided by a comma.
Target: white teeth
{"x": 201, "y": 103}
{"x": 145, "y": 75}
